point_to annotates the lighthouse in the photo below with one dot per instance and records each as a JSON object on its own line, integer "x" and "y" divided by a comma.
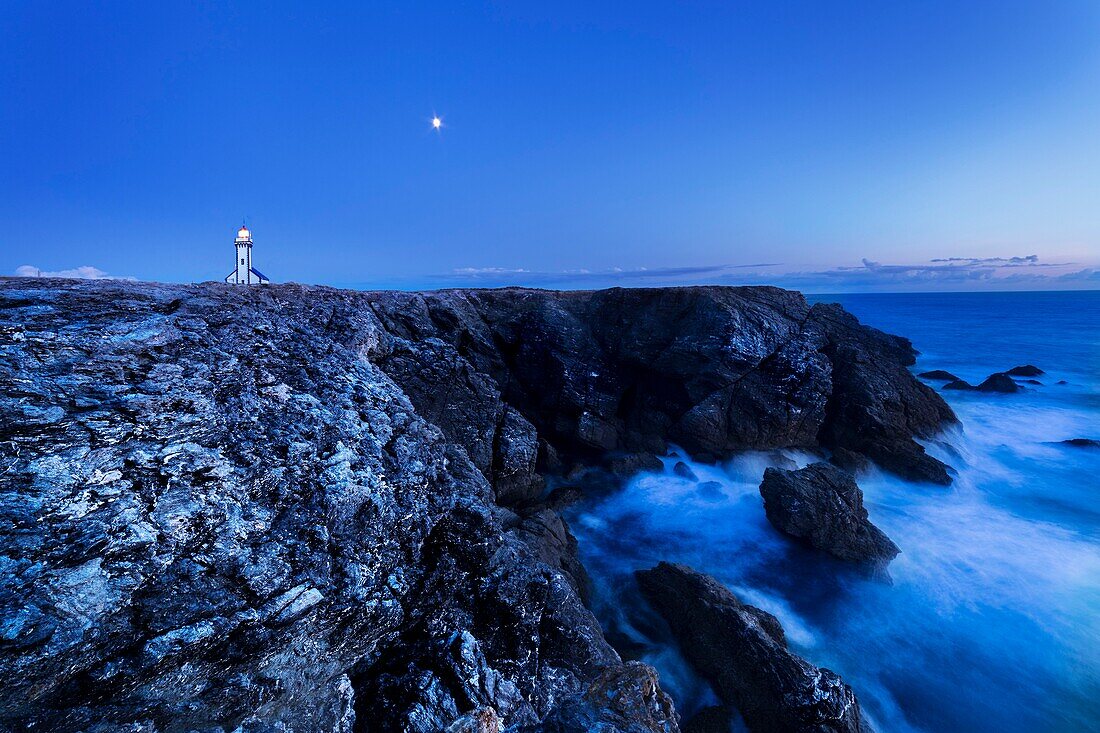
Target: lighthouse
{"x": 244, "y": 273}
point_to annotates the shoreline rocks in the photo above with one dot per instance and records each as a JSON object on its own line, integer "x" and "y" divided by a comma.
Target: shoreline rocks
{"x": 999, "y": 382}
{"x": 822, "y": 506}
{"x": 742, "y": 651}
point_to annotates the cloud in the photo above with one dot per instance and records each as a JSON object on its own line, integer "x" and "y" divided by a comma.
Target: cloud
{"x": 949, "y": 273}
{"x": 1028, "y": 260}
{"x": 84, "y": 272}
{"x": 615, "y": 274}
{"x": 987, "y": 273}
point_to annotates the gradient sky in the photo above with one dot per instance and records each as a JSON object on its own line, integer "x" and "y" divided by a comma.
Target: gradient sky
{"x": 829, "y": 146}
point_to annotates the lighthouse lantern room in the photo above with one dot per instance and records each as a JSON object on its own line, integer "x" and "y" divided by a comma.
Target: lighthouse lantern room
{"x": 244, "y": 273}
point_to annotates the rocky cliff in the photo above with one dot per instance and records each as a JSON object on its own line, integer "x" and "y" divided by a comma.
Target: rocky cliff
{"x": 303, "y": 509}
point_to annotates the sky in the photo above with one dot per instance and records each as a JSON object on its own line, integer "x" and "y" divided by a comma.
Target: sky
{"x": 830, "y": 147}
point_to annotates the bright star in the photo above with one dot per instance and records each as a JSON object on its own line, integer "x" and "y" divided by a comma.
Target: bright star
{"x": 437, "y": 123}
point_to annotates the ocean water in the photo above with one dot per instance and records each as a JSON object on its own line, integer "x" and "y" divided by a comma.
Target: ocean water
{"x": 992, "y": 622}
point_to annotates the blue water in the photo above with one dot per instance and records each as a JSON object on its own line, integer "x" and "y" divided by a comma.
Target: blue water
{"x": 993, "y": 619}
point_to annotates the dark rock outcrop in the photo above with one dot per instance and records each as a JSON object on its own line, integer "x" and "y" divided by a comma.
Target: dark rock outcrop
{"x": 1027, "y": 370}
{"x": 683, "y": 470}
{"x": 876, "y": 406}
{"x": 959, "y": 384}
{"x": 822, "y": 506}
{"x": 743, "y": 652}
{"x": 939, "y": 375}
{"x": 999, "y": 382}
{"x": 311, "y": 508}
{"x": 1082, "y": 443}
{"x": 714, "y": 370}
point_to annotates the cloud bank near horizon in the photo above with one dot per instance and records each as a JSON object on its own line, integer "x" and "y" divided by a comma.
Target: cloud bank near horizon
{"x": 957, "y": 273}
{"x": 84, "y": 272}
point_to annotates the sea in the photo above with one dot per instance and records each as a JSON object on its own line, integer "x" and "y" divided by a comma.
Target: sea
{"x": 992, "y": 621}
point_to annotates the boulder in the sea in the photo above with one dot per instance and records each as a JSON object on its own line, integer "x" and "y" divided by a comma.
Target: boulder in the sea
{"x": 625, "y": 465}
{"x": 1026, "y": 370}
{"x": 710, "y": 491}
{"x": 1082, "y": 443}
{"x": 822, "y": 506}
{"x": 742, "y": 651}
{"x": 959, "y": 384}
{"x": 938, "y": 375}
{"x": 683, "y": 470}
{"x": 1031, "y": 381}
{"x": 999, "y": 382}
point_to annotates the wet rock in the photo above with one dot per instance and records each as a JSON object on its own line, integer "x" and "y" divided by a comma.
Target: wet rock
{"x": 939, "y": 375}
{"x": 1082, "y": 443}
{"x": 714, "y": 370}
{"x": 625, "y": 465}
{"x": 710, "y": 491}
{"x": 999, "y": 382}
{"x": 848, "y": 460}
{"x": 623, "y": 699}
{"x": 822, "y": 506}
{"x": 876, "y": 407}
{"x": 1031, "y": 381}
{"x": 959, "y": 384}
{"x": 743, "y": 652}
{"x": 1027, "y": 370}
{"x": 683, "y": 470}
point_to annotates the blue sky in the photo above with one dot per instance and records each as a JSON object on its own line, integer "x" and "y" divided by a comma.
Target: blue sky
{"x": 826, "y": 146}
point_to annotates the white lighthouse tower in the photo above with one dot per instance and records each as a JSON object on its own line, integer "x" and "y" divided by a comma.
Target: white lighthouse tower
{"x": 244, "y": 273}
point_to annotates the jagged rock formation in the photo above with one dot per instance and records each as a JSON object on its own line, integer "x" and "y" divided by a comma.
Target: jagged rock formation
{"x": 303, "y": 509}
{"x": 743, "y": 652}
{"x": 822, "y": 506}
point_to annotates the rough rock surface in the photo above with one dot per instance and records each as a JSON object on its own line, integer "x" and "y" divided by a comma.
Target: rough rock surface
{"x": 303, "y": 509}
{"x": 743, "y": 652}
{"x": 1026, "y": 370}
{"x": 822, "y": 506}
